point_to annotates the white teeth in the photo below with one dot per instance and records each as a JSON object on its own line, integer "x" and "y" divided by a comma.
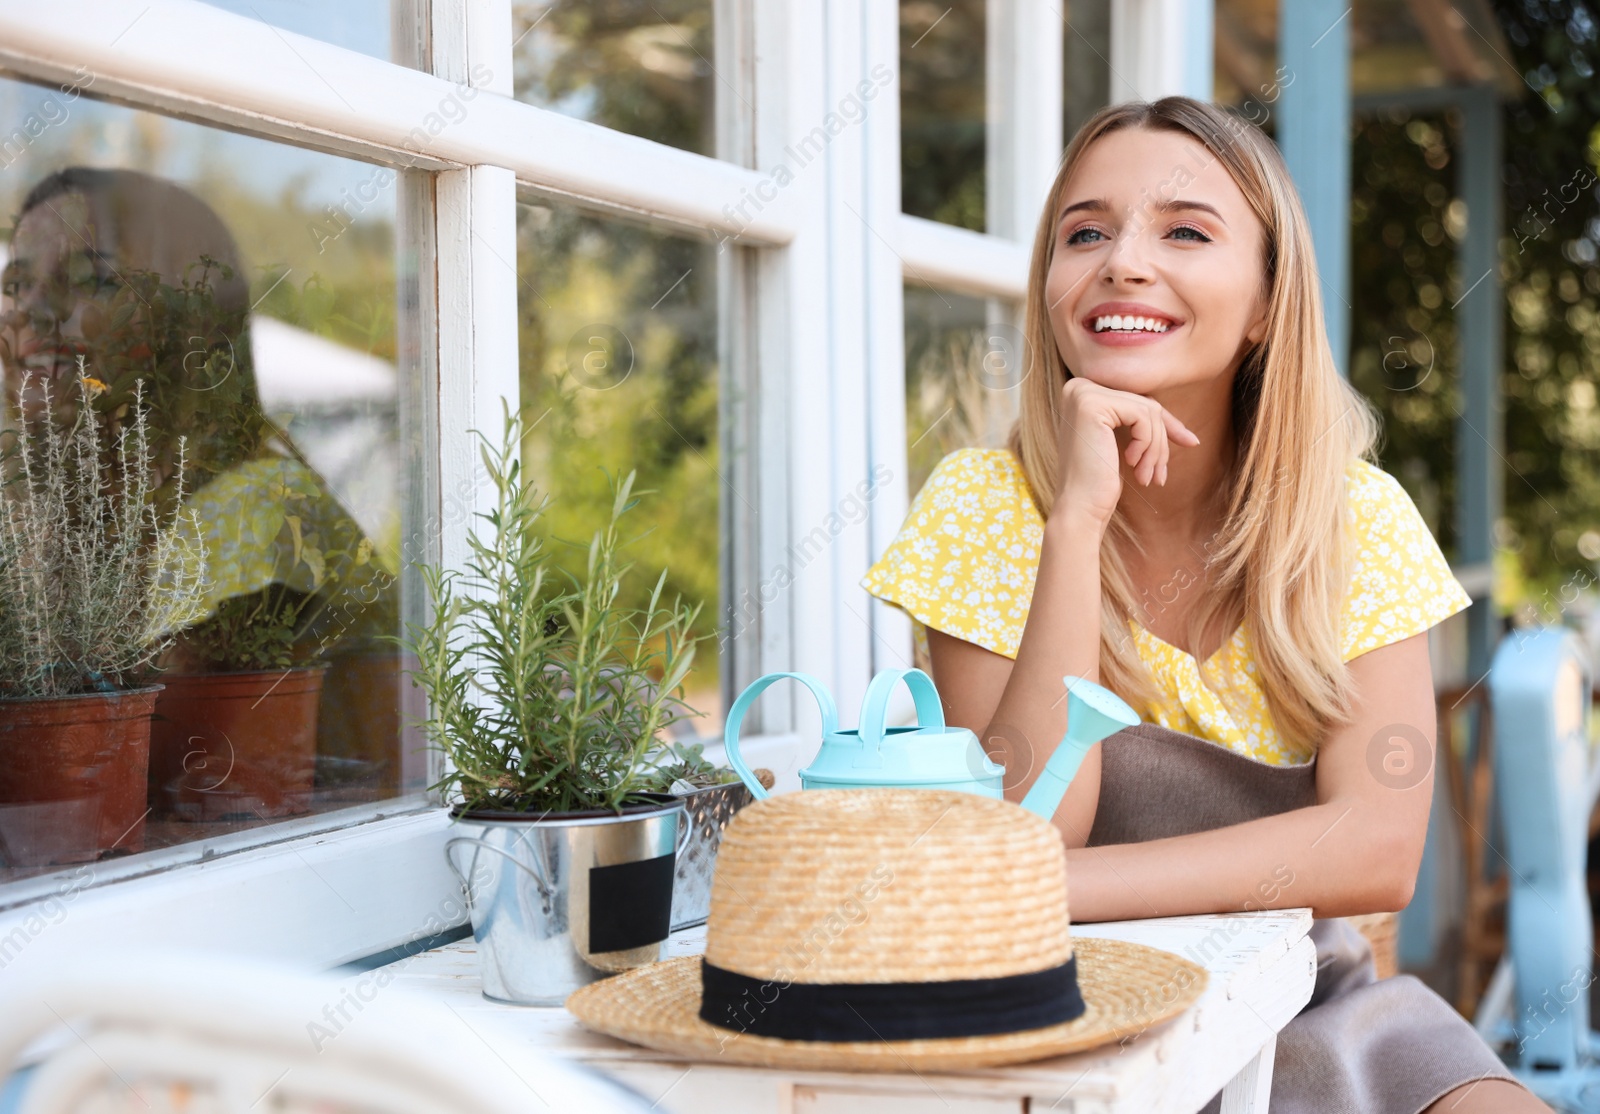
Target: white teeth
{"x": 1130, "y": 324}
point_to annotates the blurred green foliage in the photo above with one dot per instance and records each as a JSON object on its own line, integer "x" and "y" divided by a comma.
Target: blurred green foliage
{"x": 1407, "y": 219}
{"x": 618, "y": 323}
{"x": 618, "y": 348}
{"x": 639, "y": 66}
{"x": 942, "y": 111}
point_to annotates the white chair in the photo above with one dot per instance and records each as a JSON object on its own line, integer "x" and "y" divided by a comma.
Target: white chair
{"x": 165, "y": 1033}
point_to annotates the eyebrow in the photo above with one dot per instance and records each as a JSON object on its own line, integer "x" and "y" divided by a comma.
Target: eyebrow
{"x": 1095, "y": 204}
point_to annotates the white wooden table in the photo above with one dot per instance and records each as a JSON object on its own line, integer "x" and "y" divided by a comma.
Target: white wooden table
{"x": 1262, "y": 968}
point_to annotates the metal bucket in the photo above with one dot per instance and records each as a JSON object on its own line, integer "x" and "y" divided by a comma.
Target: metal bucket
{"x": 709, "y": 811}
{"x": 560, "y": 900}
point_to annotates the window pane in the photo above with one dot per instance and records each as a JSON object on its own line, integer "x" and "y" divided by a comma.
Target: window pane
{"x": 942, "y": 111}
{"x": 1086, "y": 62}
{"x": 963, "y": 368}
{"x": 640, "y": 66}
{"x": 1245, "y": 51}
{"x": 619, "y": 373}
{"x": 240, "y": 295}
{"x": 387, "y": 29}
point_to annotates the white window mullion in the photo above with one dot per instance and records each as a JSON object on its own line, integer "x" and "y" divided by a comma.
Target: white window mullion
{"x": 205, "y": 64}
{"x": 851, "y": 295}
{"x": 884, "y": 366}
{"x": 1160, "y": 48}
{"x": 959, "y": 259}
{"x": 793, "y": 326}
{"x": 1024, "y": 114}
{"x": 475, "y": 240}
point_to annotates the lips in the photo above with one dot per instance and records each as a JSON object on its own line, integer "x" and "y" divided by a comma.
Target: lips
{"x": 1129, "y": 318}
{"x": 48, "y": 353}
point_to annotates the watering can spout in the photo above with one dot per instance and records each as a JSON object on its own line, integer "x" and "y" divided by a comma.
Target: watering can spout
{"x": 1092, "y": 714}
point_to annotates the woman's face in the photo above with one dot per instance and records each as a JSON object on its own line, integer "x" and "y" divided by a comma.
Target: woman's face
{"x": 1157, "y": 277}
{"x": 56, "y": 293}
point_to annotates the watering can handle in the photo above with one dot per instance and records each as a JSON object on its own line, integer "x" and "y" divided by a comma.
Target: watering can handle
{"x": 930, "y": 712}
{"x": 730, "y": 733}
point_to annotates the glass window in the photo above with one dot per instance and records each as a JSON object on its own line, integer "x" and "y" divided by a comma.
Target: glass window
{"x": 208, "y": 322}
{"x": 387, "y": 29}
{"x": 644, "y": 68}
{"x": 619, "y": 372}
{"x": 942, "y": 111}
{"x": 963, "y": 365}
{"x": 1085, "y": 63}
{"x": 1393, "y": 47}
{"x": 1245, "y": 52}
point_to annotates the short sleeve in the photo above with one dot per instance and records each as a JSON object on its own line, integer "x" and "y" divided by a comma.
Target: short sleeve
{"x": 1400, "y": 583}
{"x": 965, "y": 560}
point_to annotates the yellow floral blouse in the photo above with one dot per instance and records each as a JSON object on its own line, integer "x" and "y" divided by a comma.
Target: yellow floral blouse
{"x": 965, "y": 560}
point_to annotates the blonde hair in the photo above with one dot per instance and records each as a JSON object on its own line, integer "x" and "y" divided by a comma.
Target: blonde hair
{"x": 1278, "y": 561}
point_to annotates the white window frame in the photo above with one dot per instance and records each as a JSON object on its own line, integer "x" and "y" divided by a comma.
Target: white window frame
{"x": 810, "y": 295}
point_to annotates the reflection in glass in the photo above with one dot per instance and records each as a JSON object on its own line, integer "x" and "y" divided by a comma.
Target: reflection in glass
{"x": 1086, "y": 62}
{"x": 619, "y": 372}
{"x": 640, "y": 66}
{"x": 962, "y": 367}
{"x": 1245, "y": 52}
{"x": 239, "y": 295}
{"x": 387, "y": 29}
{"x": 942, "y": 107}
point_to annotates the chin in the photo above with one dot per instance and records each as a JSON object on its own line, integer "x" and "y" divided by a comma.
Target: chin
{"x": 1134, "y": 376}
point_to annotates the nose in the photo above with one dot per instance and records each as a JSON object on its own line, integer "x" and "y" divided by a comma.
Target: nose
{"x": 1128, "y": 263}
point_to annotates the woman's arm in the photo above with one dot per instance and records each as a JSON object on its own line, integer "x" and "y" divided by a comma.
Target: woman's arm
{"x": 1356, "y": 851}
{"x": 1019, "y": 709}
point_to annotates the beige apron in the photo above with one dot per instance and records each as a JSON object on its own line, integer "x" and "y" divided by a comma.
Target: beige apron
{"x": 1360, "y": 1046}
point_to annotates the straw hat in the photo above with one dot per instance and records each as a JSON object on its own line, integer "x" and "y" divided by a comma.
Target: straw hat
{"x": 890, "y": 929}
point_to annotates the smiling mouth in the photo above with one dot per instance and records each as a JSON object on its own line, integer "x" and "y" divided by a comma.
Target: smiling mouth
{"x": 1117, "y": 323}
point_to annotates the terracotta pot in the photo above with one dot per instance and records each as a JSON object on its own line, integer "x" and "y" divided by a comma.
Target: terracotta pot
{"x": 359, "y": 724}
{"x": 235, "y": 746}
{"x": 72, "y": 775}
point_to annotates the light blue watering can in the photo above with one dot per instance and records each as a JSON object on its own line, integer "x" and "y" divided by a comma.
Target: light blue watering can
{"x": 930, "y": 755}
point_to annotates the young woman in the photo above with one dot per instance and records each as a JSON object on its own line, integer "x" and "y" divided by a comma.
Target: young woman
{"x": 1188, "y": 513}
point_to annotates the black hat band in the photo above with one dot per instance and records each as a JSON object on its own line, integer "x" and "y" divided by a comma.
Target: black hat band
{"x": 892, "y": 1010}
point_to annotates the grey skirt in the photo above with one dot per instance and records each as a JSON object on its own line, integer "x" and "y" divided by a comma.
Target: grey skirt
{"x": 1360, "y": 1045}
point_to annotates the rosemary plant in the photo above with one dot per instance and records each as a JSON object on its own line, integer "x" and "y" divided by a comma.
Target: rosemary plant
{"x": 545, "y": 692}
{"x": 94, "y": 580}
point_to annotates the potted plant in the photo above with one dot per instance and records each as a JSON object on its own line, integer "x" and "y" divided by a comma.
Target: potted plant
{"x": 236, "y": 727}
{"x": 95, "y": 580}
{"x": 711, "y": 794}
{"x": 546, "y": 693}
{"x": 235, "y": 732}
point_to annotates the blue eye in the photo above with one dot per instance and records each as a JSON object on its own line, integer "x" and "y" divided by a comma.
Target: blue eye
{"x": 1077, "y": 237}
{"x": 1197, "y": 236}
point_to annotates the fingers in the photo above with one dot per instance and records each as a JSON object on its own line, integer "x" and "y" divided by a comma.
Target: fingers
{"x": 1152, "y": 428}
{"x": 1176, "y": 429}
{"x": 1147, "y": 449}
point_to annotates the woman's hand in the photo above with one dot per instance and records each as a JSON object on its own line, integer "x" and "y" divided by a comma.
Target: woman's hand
{"x": 1087, "y": 421}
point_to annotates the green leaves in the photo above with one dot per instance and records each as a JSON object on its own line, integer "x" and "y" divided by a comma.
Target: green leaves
{"x": 543, "y": 691}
